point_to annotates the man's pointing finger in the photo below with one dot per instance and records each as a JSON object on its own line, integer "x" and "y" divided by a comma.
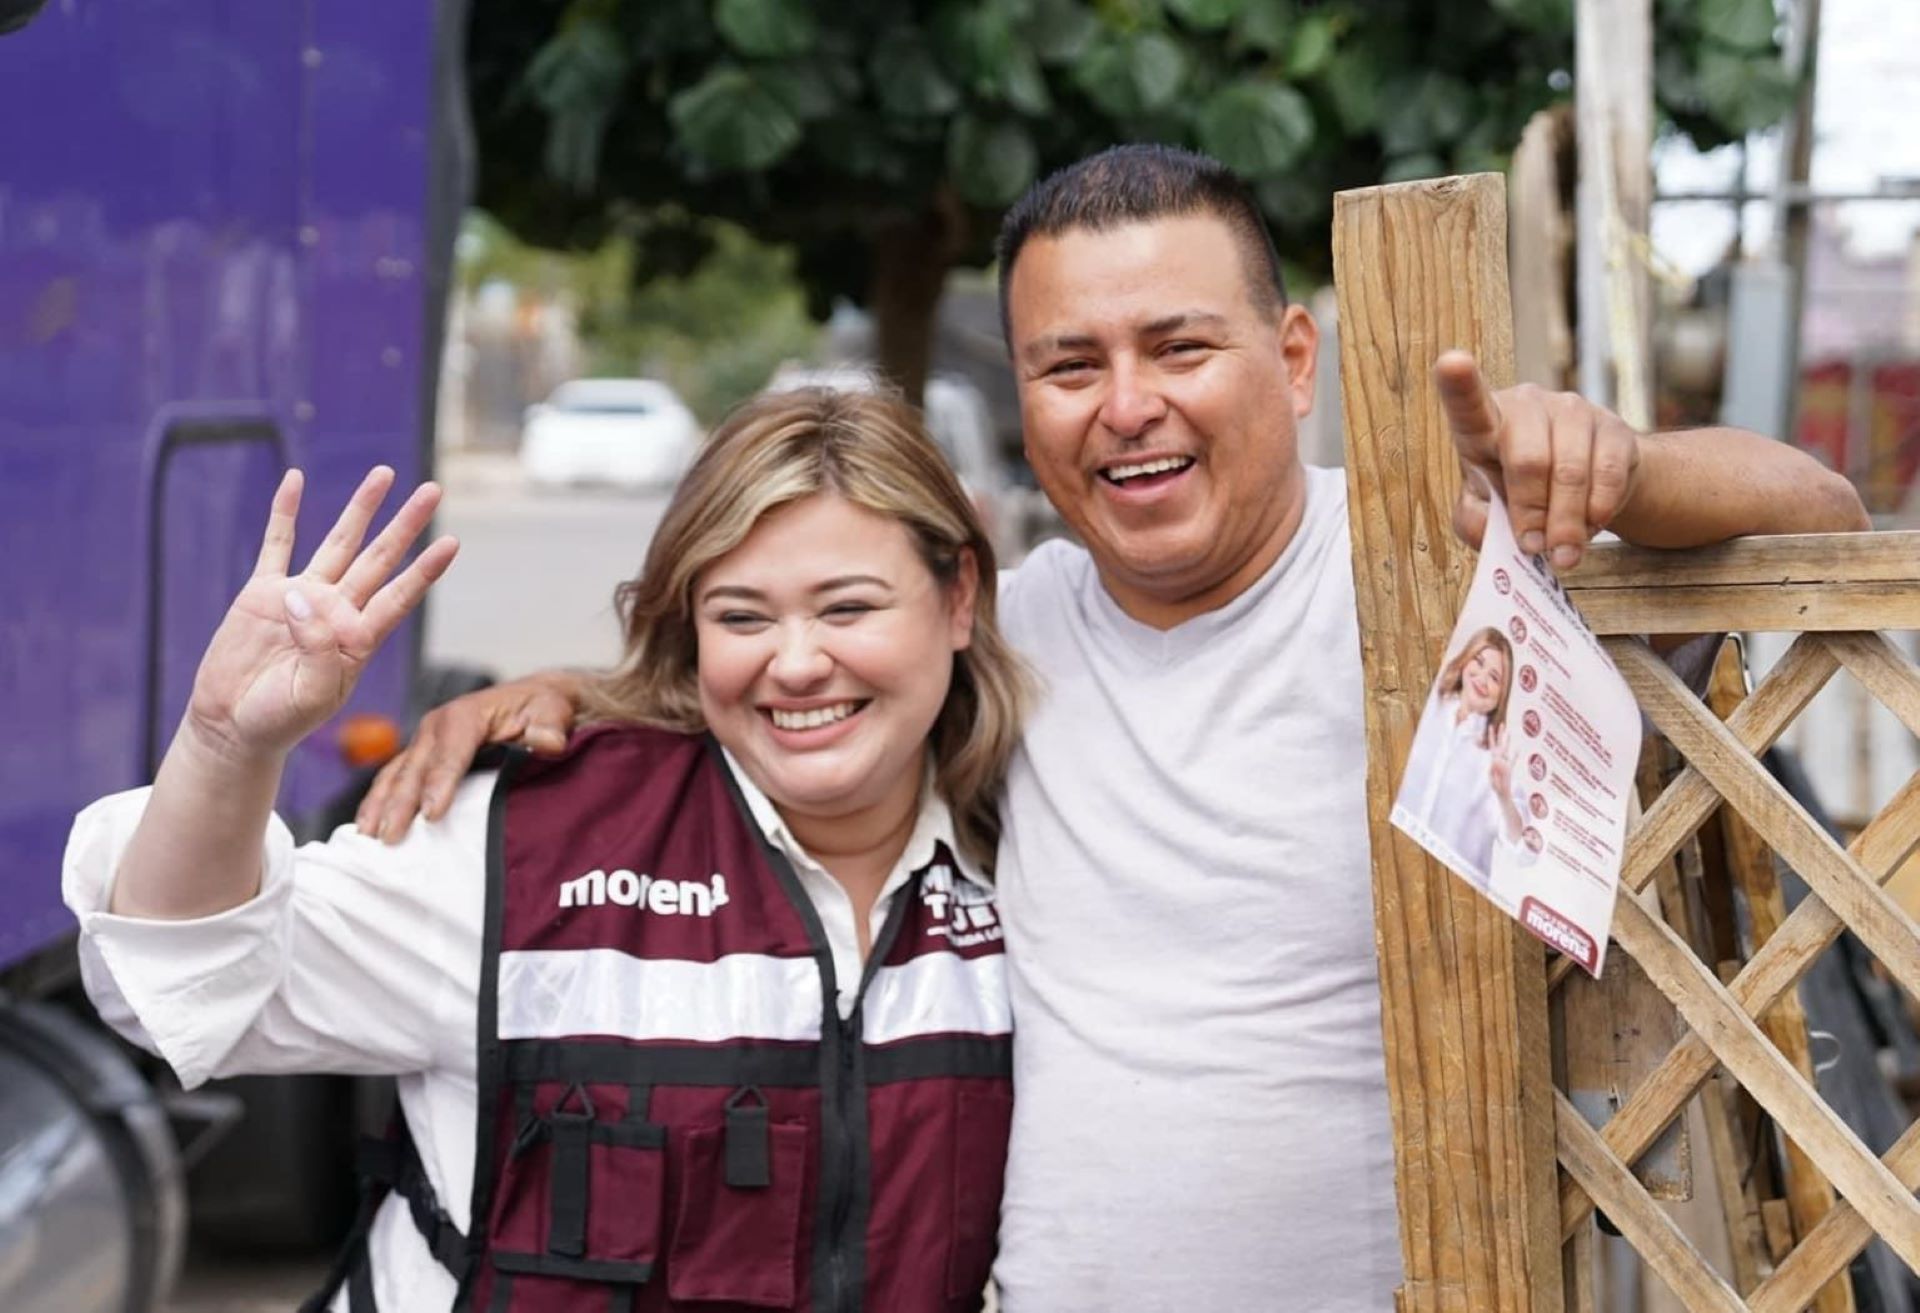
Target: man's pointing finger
{"x": 1470, "y": 409}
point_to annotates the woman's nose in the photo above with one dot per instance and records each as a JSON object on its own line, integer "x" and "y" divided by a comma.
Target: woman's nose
{"x": 799, "y": 660}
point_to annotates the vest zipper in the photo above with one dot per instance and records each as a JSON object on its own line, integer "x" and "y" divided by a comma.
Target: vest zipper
{"x": 850, "y": 1084}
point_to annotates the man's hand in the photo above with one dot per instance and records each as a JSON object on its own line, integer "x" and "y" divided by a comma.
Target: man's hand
{"x": 537, "y": 712}
{"x": 1565, "y": 467}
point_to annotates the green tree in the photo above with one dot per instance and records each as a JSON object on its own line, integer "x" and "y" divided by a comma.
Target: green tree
{"x": 881, "y": 139}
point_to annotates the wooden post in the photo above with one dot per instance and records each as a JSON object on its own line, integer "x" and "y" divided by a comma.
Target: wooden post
{"x": 1613, "y": 99}
{"x": 1421, "y": 267}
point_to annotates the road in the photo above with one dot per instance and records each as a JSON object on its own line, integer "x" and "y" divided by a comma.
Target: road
{"x": 533, "y": 584}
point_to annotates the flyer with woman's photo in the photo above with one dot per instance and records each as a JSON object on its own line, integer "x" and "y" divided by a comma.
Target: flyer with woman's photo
{"x": 1523, "y": 763}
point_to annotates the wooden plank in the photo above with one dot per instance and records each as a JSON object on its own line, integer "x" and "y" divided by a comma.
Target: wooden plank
{"x": 1709, "y": 608}
{"x": 1740, "y": 1208}
{"x": 1613, "y": 1032}
{"x": 1579, "y": 1297}
{"x": 1652, "y": 1233}
{"x": 1710, "y": 746}
{"x": 1420, "y": 267}
{"x": 1761, "y": 1070}
{"x": 1821, "y": 1259}
{"x": 1751, "y": 865}
{"x": 1799, "y": 558}
{"x": 1883, "y": 670}
{"x": 1773, "y": 969}
{"x": 1540, "y": 249}
{"x": 1792, "y": 684}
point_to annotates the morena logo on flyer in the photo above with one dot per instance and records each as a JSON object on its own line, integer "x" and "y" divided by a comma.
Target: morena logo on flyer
{"x": 1556, "y": 931}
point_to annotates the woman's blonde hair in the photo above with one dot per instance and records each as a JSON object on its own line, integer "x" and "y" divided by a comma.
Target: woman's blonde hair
{"x": 871, "y": 449}
{"x": 1454, "y": 674}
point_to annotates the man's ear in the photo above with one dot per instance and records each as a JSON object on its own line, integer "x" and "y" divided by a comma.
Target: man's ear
{"x": 1300, "y": 351}
{"x": 962, "y": 594}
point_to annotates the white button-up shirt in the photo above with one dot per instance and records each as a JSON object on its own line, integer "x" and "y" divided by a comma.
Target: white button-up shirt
{"x": 361, "y": 958}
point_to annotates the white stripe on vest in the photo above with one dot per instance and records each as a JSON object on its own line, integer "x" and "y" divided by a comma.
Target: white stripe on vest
{"x": 552, "y": 994}
{"x": 938, "y": 994}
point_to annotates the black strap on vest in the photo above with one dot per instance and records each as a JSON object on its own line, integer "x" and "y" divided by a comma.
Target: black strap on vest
{"x": 389, "y": 1166}
{"x": 571, "y": 1130}
{"x": 394, "y": 1163}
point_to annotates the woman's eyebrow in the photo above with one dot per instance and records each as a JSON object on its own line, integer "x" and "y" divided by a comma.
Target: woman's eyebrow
{"x": 745, "y": 594}
{"x": 851, "y": 581}
{"x": 733, "y": 591}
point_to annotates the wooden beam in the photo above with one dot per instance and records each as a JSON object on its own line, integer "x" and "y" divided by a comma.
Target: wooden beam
{"x": 1421, "y": 267}
{"x": 1709, "y": 607}
{"x": 1776, "y": 815}
{"x": 1653, "y": 1234}
{"x": 1868, "y": 1183}
{"x": 1774, "y": 968}
{"x": 1795, "y": 558}
{"x": 1753, "y": 869}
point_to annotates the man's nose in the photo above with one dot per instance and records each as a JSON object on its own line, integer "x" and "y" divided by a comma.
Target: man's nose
{"x": 1133, "y": 403}
{"x": 799, "y": 661}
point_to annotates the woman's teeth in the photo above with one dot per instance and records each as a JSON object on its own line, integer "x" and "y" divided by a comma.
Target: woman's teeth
{"x": 1121, "y": 473}
{"x": 815, "y": 718}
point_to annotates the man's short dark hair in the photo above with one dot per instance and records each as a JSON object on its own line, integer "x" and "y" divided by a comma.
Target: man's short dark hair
{"x": 1136, "y": 184}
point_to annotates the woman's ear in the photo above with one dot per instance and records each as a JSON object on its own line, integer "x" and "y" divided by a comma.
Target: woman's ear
{"x": 962, "y": 593}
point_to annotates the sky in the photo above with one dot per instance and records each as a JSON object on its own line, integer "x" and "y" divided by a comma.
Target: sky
{"x": 1866, "y": 128}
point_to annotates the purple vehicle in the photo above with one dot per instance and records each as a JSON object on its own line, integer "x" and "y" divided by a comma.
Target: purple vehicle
{"x": 225, "y": 236}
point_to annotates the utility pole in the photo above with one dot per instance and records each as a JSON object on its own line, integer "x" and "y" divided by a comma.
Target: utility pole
{"x": 1794, "y": 217}
{"x": 1613, "y": 108}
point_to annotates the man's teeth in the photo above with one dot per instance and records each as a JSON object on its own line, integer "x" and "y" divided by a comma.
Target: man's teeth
{"x": 1121, "y": 473}
{"x": 815, "y": 718}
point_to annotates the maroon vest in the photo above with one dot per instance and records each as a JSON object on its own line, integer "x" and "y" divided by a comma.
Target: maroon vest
{"x": 672, "y": 1113}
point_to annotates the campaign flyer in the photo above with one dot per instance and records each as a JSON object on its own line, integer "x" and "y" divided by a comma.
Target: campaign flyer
{"x": 1522, "y": 767}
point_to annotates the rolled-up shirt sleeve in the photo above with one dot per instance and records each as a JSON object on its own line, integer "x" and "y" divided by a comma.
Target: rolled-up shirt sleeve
{"x": 354, "y": 956}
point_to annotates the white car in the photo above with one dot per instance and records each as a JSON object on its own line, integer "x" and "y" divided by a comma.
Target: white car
{"x": 628, "y": 432}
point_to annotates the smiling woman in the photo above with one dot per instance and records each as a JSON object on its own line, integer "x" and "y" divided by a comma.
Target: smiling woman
{"x": 822, "y": 563}
{"x": 725, "y": 977}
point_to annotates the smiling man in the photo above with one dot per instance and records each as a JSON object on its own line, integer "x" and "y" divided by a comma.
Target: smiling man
{"x": 1201, "y": 1114}
{"x": 1201, "y": 1120}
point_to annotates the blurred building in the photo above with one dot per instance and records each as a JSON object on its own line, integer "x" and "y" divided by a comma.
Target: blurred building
{"x": 506, "y": 348}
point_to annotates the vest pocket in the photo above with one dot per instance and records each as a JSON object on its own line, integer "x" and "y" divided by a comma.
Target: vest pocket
{"x": 738, "y": 1243}
{"x": 982, "y": 1121}
{"x": 581, "y": 1199}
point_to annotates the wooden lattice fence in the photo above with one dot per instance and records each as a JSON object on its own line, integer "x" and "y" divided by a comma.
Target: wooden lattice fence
{"x": 1499, "y": 1174}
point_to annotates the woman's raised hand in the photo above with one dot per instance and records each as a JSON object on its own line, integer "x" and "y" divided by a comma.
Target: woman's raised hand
{"x": 292, "y": 646}
{"x": 1499, "y": 763}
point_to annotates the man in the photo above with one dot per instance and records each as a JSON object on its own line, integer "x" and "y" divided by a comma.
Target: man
{"x": 1201, "y": 1121}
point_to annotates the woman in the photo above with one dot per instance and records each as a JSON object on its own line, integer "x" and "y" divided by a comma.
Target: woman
{"x": 706, "y": 1009}
{"x": 1459, "y": 778}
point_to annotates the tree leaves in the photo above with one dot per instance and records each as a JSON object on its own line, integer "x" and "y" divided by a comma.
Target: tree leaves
{"x": 1743, "y": 25}
{"x": 1744, "y": 93}
{"x": 1158, "y": 64}
{"x": 1256, "y": 127}
{"x": 576, "y": 78}
{"x": 909, "y": 80}
{"x": 730, "y": 120}
{"x": 1206, "y": 15}
{"x": 990, "y": 161}
{"x": 1131, "y": 75}
{"x": 1061, "y": 30}
{"x": 802, "y": 120}
{"x": 775, "y": 29}
{"x": 1310, "y": 48}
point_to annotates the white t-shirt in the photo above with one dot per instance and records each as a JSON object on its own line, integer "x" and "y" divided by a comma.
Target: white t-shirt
{"x": 1200, "y": 1112}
